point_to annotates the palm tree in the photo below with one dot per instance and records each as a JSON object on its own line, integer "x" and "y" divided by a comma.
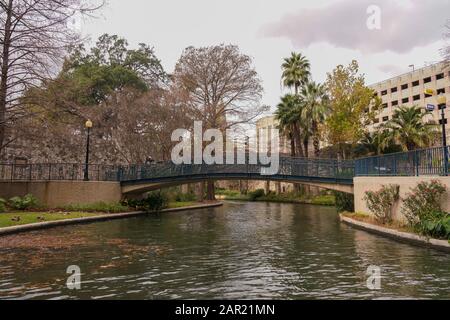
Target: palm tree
{"x": 315, "y": 101}
{"x": 376, "y": 143}
{"x": 409, "y": 129}
{"x": 296, "y": 71}
{"x": 288, "y": 115}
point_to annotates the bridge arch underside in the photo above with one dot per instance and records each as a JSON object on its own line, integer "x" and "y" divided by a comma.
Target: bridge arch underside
{"x": 136, "y": 187}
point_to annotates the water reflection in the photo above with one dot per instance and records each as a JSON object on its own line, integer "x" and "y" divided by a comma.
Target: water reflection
{"x": 241, "y": 250}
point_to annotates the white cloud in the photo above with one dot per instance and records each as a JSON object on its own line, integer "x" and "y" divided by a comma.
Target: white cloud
{"x": 404, "y": 26}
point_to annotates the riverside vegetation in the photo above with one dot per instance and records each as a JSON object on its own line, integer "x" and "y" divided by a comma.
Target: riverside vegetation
{"x": 27, "y": 209}
{"x": 325, "y": 198}
{"x": 421, "y": 208}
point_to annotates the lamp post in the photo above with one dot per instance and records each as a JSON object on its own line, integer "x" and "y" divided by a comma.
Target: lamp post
{"x": 88, "y": 126}
{"x": 442, "y": 104}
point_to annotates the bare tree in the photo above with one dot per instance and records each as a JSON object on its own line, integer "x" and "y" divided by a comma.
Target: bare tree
{"x": 220, "y": 87}
{"x": 33, "y": 36}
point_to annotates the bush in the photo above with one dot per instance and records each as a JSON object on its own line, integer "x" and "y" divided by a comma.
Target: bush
{"x": 344, "y": 202}
{"x": 438, "y": 228}
{"x": 23, "y": 203}
{"x": 155, "y": 201}
{"x": 381, "y": 202}
{"x": 98, "y": 207}
{"x": 424, "y": 202}
{"x": 255, "y": 195}
{"x": 422, "y": 209}
{"x": 2, "y": 205}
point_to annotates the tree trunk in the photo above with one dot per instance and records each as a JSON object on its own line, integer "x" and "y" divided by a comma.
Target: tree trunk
{"x": 316, "y": 140}
{"x": 211, "y": 191}
{"x": 4, "y": 75}
{"x": 306, "y": 147}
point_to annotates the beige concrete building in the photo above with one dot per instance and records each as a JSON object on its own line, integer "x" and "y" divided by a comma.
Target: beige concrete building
{"x": 409, "y": 89}
{"x": 269, "y": 123}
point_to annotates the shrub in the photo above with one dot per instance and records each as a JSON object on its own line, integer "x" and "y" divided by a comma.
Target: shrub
{"x": 381, "y": 202}
{"x": 344, "y": 202}
{"x": 155, "y": 201}
{"x": 2, "y": 205}
{"x": 437, "y": 228}
{"x": 23, "y": 203}
{"x": 424, "y": 202}
{"x": 98, "y": 207}
{"x": 422, "y": 209}
{"x": 255, "y": 195}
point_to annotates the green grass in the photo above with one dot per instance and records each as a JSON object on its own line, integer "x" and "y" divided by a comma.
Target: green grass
{"x": 323, "y": 200}
{"x": 173, "y": 205}
{"x": 6, "y": 219}
{"x": 98, "y": 207}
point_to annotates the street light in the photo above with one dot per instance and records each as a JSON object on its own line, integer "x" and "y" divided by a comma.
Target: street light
{"x": 88, "y": 126}
{"x": 442, "y": 104}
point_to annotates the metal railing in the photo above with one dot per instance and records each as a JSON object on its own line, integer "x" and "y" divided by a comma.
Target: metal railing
{"x": 423, "y": 162}
{"x": 56, "y": 171}
{"x": 433, "y": 161}
{"x": 313, "y": 169}
{"x": 295, "y": 168}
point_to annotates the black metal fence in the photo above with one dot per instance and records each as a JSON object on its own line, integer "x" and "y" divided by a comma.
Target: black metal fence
{"x": 59, "y": 171}
{"x": 319, "y": 169}
{"x": 433, "y": 161}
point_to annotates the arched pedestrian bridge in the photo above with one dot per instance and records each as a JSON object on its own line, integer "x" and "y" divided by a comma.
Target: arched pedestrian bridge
{"x": 328, "y": 174}
{"x": 62, "y": 181}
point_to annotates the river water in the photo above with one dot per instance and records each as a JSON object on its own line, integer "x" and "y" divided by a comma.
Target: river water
{"x": 238, "y": 251}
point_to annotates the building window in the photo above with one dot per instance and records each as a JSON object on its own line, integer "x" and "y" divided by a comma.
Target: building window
{"x": 405, "y": 100}
{"x": 383, "y": 93}
{"x": 441, "y": 91}
{"x": 440, "y": 76}
{"x": 427, "y": 80}
{"x": 405, "y": 86}
{"x": 385, "y": 119}
{"x": 394, "y": 90}
{"x": 415, "y": 83}
{"x": 376, "y": 121}
{"x": 385, "y": 105}
{"x": 416, "y": 97}
{"x": 428, "y": 95}
{"x": 395, "y": 103}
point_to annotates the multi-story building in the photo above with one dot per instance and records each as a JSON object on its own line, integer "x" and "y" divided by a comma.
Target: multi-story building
{"x": 409, "y": 89}
{"x": 269, "y": 123}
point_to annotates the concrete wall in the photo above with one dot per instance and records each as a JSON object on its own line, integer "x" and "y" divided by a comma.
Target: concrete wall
{"x": 60, "y": 193}
{"x": 363, "y": 184}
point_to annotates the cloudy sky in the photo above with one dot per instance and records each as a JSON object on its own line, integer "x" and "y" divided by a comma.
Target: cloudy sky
{"x": 328, "y": 32}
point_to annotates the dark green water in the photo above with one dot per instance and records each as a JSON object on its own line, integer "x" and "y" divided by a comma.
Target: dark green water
{"x": 239, "y": 251}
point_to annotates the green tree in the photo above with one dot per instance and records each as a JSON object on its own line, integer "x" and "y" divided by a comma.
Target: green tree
{"x": 296, "y": 71}
{"x": 288, "y": 114}
{"x": 315, "y": 103}
{"x": 409, "y": 128}
{"x": 352, "y": 107}
{"x": 110, "y": 67}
